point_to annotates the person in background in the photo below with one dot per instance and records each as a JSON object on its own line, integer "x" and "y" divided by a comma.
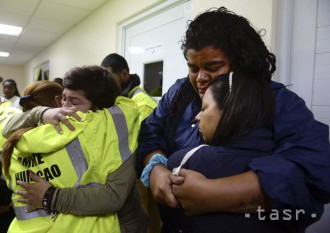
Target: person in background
{"x": 130, "y": 87}
{"x": 119, "y": 194}
{"x": 296, "y": 176}
{"x": 11, "y": 93}
{"x": 5, "y": 193}
{"x": 129, "y": 84}
{"x": 58, "y": 80}
{"x": 6, "y": 211}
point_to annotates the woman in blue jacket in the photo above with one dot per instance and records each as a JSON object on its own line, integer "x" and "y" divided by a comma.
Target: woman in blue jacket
{"x": 294, "y": 177}
{"x": 236, "y": 122}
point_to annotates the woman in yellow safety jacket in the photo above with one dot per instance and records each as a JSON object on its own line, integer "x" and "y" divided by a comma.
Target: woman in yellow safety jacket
{"x": 99, "y": 145}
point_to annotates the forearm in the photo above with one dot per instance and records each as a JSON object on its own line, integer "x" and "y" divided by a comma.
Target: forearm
{"x": 23, "y": 120}
{"x": 101, "y": 199}
{"x": 148, "y": 156}
{"x": 236, "y": 194}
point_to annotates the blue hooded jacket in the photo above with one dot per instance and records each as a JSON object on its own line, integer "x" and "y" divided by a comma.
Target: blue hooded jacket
{"x": 299, "y": 168}
{"x": 217, "y": 162}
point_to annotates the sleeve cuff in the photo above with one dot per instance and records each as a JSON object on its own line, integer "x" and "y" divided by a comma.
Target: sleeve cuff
{"x": 155, "y": 160}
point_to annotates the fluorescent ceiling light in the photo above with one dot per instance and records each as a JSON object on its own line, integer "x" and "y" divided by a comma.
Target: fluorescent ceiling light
{"x": 4, "y": 54}
{"x": 10, "y": 30}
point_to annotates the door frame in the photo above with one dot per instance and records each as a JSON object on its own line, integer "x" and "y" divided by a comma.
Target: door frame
{"x": 294, "y": 48}
{"x": 152, "y": 11}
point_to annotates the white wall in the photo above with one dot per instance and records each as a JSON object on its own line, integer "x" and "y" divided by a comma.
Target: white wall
{"x": 95, "y": 37}
{"x": 13, "y": 72}
{"x": 320, "y": 88}
{"x": 89, "y": 41}
{"x": 258, "y": 12}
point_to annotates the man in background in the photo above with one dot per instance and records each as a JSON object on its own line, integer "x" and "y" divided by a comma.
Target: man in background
{"x": 129, "y": 85}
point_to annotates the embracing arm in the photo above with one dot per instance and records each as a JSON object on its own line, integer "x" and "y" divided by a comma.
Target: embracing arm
{"x": 237, "y": 194}
{"x": 23, "y": 120}
{"x": 296, "y": 176}
{"x": 101, "y": 199}
{"x": 37, "y": 114}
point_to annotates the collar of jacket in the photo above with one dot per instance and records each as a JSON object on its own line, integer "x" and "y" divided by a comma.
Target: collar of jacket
{"x": 134, "y": 81}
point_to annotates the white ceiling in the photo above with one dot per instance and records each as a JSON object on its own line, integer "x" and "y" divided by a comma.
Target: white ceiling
{"x": 43, "y": 21}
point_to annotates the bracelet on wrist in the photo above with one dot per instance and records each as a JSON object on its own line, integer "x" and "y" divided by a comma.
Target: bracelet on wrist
{"x": 47, "y": 198}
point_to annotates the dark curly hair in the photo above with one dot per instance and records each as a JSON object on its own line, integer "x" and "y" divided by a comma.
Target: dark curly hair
{"x": 233, "y": 35}
{"x": 96, "y": 82}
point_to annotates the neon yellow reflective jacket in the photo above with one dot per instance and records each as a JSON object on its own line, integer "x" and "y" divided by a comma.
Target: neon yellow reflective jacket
{"x": 6, "y": 112}
{"x": 83, "y": 157}
{"x": 144, "y": 102}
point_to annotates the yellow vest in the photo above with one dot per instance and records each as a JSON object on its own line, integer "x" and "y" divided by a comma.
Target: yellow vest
{"x": 144, "y": 102}
{"x": 83, "y": 157}
{"x": 6, "y": 112}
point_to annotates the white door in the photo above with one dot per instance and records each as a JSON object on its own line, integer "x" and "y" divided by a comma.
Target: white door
{"x": 321, "y": 84}
{"x": 310, "y": 68}
{"x": 303, "y": 52}
{"x": 157, "y": 38}
{"x": 310, "y": 64}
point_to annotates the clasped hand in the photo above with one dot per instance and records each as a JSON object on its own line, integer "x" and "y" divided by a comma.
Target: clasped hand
{"x": 183, "y": 191}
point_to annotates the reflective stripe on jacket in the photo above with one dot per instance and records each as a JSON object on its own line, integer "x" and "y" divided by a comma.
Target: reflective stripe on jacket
{"x": 83, "y": 157}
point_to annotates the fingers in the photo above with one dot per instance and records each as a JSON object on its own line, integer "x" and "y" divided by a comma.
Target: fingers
{"x": 35, "y": 177}
{"x": 58, "y": 128}
{"x": 66, "y": 122}
{"x": 24, "y": 196}
{"x": 56, "y": 115}
{"x": 183, "y": 172}
{"x": 176, "y": 179}
{"x": 68, "y": 111}
{"x": 175, "y": 189}
{"x": 22, "y": 193}
{"x": 75, "y": 115}
{"x": 23, "y": 184}
{"x": 25, "y": 200}
{"x": 170, "y": 199}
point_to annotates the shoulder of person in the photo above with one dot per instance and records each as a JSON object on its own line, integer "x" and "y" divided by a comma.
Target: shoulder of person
{"x": 126, "y": 106}
{"x": 122, "y": 101}
{"x": 173, "y": 90}
{"x": 286, "y": 99}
